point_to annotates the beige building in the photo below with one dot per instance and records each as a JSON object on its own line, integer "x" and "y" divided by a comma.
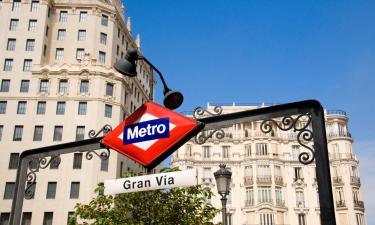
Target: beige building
{"x": 57, "y": 83}
{"x": 269, "y": 185}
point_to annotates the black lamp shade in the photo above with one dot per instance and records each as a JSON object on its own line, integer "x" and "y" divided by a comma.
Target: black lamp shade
{"x": 127, "y": 66}
{"x": 173, "y": 99}
{"x": 223, "y": 178}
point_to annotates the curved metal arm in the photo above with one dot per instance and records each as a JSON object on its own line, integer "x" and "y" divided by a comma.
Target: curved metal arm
{"x": 166, "y": 88}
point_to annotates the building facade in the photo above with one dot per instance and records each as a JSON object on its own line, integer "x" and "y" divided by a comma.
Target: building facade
{"x": 269, "y": 185}
{"x": 57, "y": 83}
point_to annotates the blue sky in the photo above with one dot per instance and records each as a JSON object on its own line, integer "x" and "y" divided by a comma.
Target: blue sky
{"x": 248, "y": 51}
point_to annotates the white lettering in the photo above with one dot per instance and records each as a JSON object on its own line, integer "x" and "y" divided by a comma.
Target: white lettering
{"x": 162, "y": 130}
{"x": 142, "y": 132}
{"x": 132, "y": 135}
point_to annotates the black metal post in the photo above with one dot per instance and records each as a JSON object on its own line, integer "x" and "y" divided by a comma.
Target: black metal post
{"x": 224, "y": 209}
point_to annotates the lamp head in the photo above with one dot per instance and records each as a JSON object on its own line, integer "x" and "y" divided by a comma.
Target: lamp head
{"x": 173, "y": 99}
{"x": 127, "y": 66}
{"x": 223, "y": 178}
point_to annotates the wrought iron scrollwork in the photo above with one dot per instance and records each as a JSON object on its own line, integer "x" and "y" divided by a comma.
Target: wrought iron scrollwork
{"x": 203, "y": 136}
{"x": 103, "y": 155}
{"x": 199, "y": 112}
{"x": 105, "y": 130}
{"x": 35, "y": 164}
{"x": 302, "y": 127}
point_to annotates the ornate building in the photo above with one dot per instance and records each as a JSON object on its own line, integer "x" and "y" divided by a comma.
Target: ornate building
{"x": 57, "y": 83}
{"x": 269, "y": 184}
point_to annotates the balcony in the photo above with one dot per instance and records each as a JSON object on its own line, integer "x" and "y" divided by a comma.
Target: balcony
{"x": 262, "y": 201}
{"x": 355, "y": 181}
{"x": 264, "y": 180}
{"x": 337, "y": 181}
{"x": 339, "y": 134}
{"x": 249, "y": 203}
{"x": 280, "y": 203}
{"x": 340, "y": 204}
{"x": 279, "y": 180}
{"x": 359, "y": 205}
{"x": 298, "y": 180}
{"x": 248, "y": 180}
{"x": 336, "y": 112}
{"x": 342, "y": 156}
{"x": 207, "y": 180}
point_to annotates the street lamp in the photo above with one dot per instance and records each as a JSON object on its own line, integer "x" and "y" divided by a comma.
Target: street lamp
{"x": 127, "y": 67}
{"x": 223, "y": 177}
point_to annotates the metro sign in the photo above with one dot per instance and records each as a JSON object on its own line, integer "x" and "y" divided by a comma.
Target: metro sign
{"x": 151, "y": 134}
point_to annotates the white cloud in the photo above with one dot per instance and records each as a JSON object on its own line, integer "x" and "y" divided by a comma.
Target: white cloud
{"x": 365, "y": 150}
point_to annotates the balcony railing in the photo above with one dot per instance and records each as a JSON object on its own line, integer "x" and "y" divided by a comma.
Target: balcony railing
{"x": 206, "y": 180}
{"x": 280, "y": 203}
{"x": 260, "y": 201}
{"x": 336, "y": 112}
{"x": 355, "y": 181}
{"x": 342, "y": 156}
{"x": 248, "y": 180}
{"x": 339, "y": 134}
{"x": 298, "y": 179}
{"x": 249, "y": 203}
{"x": 337, "y": 180}
{"x": 264, "y": 180}
{"x": 359, "y": 204}
{"x": 340, "y": 203}
{"x": 279, "y": 180}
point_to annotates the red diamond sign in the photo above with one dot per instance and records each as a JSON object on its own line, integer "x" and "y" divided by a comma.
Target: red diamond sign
{"x": 151, "y": 134}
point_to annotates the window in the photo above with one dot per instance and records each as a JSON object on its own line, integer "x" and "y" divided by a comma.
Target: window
{"x": 41, "y": 108}
{"x": 70, "y": 215}
{"x": 60, "y": 109}
{"x": 300, "y": 198}
{"x": 225, "y": 151}
{"x": 74, "y": 190}
{"x": 298, "y": 175}
{"x": 32, "y": 25}
{"x": 8, "y": 64}
{"x": 9, "y": 190}
{"x": 80, "y": 53}
{"x": 82, "y": 16}
{"x": 117, "y": 50}
{"x": 109, "y": 89}
{"x": 5, "y": 85}
{"x": 44, "y": 50}
{"x": 13, "y": 24}
{"x": 261, "y": 149}
{"x": 38, "y": 133}
{"x": 1, "y": 131}
{"x": 84, "y": 87}
{"x": 47, "y": 29}
{"x": 295, "y": 152}
{"x": 63, "y": 86}
{"x": 354, "y": 171}
{"x": 30, "y": 44}
{"x": 264, "y": 194}
{"x": 17, "y": 135}
{"x": 16, "y": 5}
{"x": 11, "y": 45}
{"x": 3, "y": 107}
{"x": 104, "y": 20}
{"x": 61, "y": 34}
{"x": 103, "y": 38}
{"x": 77, "y": 161}
{"x": 34, "y": 6}
{"x": 277, "y": 171}
{"x": 249, "y": 171}
{"x": 108, "y": 111}
{"x": 21, "y": 108}
{"x": 48, "y": 218}
{"x": 57, "y": 133}
{"x": 43, "y": 86}
{"x": 266, "y": 219}
{"x": 59, "y": 54}
{"x": 82, "y": 108}
{"x": 206, "y": 152}
{"x": 13, "y": 161}
{"x": 104, "y": 164}
{"x": 249, "y": 198}
{"x": 301, "y": 219}
{"x": 27, "y": 65}
{"x": 26, "y": 218}
{"x": 63, "y": 16}
{"x": 80, "y": 133}
{"x": 264, "y": 171}
{"x": 51, "y": 190}
{"x": 4, "y": 218}
{"x": 81, "y": 35}
{"x": 248, "y": 150}
{"x": 279, "y": 195}
{"x": 360, "y": 219}
{"x": 101, "y": 57}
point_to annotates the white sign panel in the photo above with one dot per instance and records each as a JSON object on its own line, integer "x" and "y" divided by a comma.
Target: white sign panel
{"x": 151, "y": 182}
